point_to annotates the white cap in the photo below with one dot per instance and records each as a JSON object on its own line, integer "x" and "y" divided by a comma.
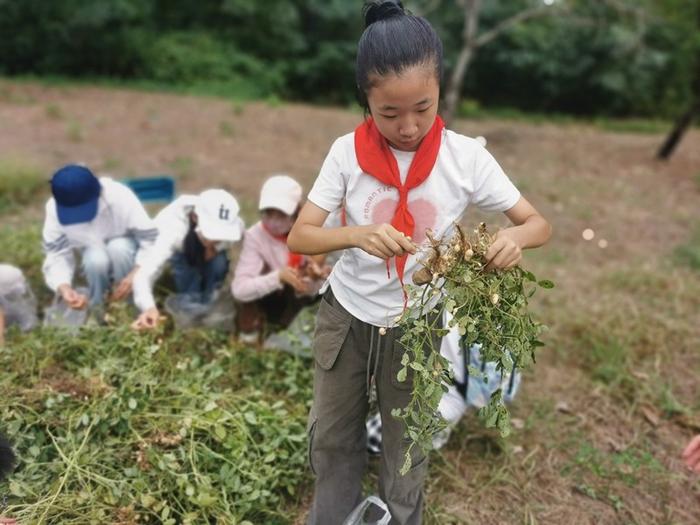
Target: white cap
{"x": 11, "y": 280}
{"x": 282, "y": 193}
{"x": 217, "y": 216}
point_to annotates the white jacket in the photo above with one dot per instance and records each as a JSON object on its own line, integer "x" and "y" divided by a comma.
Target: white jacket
{"x": 119, "y": 214}
{"x": 173, "y": 223}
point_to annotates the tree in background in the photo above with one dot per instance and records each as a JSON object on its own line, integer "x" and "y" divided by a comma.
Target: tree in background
{"x": 602, "y": 57}
{"x": 473, "y": 40}
{"x": 691, "y": 47}
{"x": 605, "y": 57}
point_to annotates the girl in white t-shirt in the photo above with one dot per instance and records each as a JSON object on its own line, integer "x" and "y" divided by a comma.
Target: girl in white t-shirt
{"x": 399, "y": 173}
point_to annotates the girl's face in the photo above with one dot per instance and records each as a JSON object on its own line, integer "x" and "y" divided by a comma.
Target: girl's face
{"x": 277, "y": 222}
{"x": 205, "y": 242}
{"x": 404, "y": 106}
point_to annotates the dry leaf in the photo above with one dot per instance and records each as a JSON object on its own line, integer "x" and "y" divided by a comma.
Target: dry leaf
{"x": 650, "y": 414}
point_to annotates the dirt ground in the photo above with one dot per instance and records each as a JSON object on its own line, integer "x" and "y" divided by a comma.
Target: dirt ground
{"x": 614, "y": 397}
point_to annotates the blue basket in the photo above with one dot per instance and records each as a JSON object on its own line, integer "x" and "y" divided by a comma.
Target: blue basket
{"x": 160, "y": 188}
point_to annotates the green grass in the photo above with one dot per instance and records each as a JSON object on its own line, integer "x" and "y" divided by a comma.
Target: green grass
{"x": 171, "y": 427}
{"x": 235, "y": 89}
{"x": 471, "y": 109}
{"x": 226, "y": 129}
{"x": 20, "y": 182}
{"x": 241, "y": 90}
{"x": 21, "y": 247}
{"x": 74, "y": 131}
{"x": 688, "y": 254}
{"x": 54, "y": 111}
{"x": 182, "y": 166}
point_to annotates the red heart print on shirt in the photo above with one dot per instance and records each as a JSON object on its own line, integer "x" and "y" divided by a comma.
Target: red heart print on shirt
{"x": 424, "y": 214}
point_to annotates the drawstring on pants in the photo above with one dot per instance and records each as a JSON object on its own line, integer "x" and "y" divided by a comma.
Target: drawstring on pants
{"x": 374, "y": 351}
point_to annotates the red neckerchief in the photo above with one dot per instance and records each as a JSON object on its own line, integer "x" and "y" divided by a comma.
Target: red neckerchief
{"x": 376, "y": 159}
{"x": 294, "y": 260}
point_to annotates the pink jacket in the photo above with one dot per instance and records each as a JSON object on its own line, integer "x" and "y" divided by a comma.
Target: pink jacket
{"x": 257, "y": 271}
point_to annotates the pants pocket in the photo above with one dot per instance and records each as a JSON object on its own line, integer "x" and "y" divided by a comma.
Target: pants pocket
{"x": 332, "y": 325}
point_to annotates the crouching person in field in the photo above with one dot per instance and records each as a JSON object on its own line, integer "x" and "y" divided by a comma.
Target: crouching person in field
{"x": 271, "y": 284}
{"x": 195, "y": 234}
{"x": 102, "y": 221}
{"x": 17, "y": 302}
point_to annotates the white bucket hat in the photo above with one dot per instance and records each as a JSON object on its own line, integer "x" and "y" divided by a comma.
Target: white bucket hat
{"x": 218, "y": 216}
{"x": 282, "y": 193}
{"x": 11, "y": 280}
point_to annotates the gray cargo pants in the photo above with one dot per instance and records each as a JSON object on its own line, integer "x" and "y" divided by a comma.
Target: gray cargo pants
{"x": 347, "y": 352}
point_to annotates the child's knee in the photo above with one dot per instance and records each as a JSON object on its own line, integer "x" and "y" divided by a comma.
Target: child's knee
{"x": 121, "y": 247}
{"x": 95, "y": 261}
{"x": 220, "y": 265}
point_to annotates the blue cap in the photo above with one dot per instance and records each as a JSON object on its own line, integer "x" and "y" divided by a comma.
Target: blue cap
{"x": 76, "y": 191}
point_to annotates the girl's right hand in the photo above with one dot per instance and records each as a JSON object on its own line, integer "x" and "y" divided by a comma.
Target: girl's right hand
{"x": 291, "y": 277}
{"x": 73, "y": 299}
{"x": 147, "y": 320}
{"x": 383, "y": 241}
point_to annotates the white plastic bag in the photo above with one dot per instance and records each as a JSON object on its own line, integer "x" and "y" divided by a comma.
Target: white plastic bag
{"x": 16, "y": 299}
{"x": 357, "y": 516}
{"x": 60, "y": 315}
{"x": 188, "y": 311}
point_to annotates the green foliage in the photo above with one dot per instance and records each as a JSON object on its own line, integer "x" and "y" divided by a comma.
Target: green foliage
{"x": 488, "y": 307}
{"x": 689, "y": 253}
{"x": 594, "y": 59}
{"x": 199, "y": 58}
{"x": 591, "y": 58}
{"x": 22, "y": 248}
{"x": 20, "y": 182}
{"x": 181, "y": 428}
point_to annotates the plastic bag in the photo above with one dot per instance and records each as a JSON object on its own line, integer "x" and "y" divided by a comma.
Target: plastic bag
{"x": 60, "y": 315}
{"x": 188, "y": 311}
{"x": 19, "y": 307}
{"x": 297, "y": 338}
{"x": 370, "y": 504}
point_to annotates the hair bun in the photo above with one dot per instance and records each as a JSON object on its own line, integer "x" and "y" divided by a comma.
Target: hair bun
{"x": 381, "y": 10}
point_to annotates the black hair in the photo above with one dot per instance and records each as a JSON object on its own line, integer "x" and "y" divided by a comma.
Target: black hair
{"x": 192, "y": 246}
{"x": 393, "y": 40}
{"x": 7, "y": 458}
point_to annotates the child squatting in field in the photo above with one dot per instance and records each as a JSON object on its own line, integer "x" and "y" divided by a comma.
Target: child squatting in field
{"x": 399, "y": 173}
{"x": 195, "y": 234}
{"x": 271, "y": 283}
{"x": 105, "y": 222}
{"x": 17, "y": 302}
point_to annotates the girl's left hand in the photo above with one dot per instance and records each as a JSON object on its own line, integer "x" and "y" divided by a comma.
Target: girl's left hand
{"x": 124, "y": 286}
{"x": 504, "y": 253}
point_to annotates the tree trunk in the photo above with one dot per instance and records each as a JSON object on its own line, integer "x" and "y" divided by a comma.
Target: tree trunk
{"x": 686, "y": 119}
{"x": 679, "y": 129}
{"x": 454, "y": 87}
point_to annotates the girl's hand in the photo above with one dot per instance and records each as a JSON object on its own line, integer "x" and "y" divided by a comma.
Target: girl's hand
{"x": 318, "y": 271}
{"x": 504, "y": 253}
{"x": 73, "y": 299}
{"x": 124, "y": 287}
{"x": 291, "y": 277}
{"x": 691, "y": 454}
{"x": 147, "y": 320}
{"x": 383, "y": 241}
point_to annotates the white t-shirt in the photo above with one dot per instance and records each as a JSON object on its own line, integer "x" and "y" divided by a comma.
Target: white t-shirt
{"x": 464, "y": 174}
